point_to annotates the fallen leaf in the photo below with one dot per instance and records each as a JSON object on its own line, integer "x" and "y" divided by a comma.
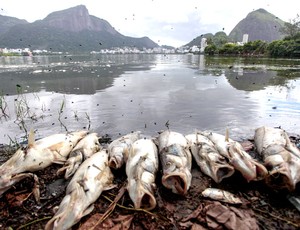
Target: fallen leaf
{"x": 17, "y": 200}
{"x": 194, "y": 214}
{"x": 219, "y": 216}
{"x": 197, "y": 227}
{"x": 122, "y": 222}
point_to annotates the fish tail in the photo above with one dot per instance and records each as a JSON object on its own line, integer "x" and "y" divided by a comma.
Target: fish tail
{"x": 227, "y": 135}
{"x": 31, "y": 138}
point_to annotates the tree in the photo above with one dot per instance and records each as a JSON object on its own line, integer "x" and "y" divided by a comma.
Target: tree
{"x": 284, "y": 48}
{"x": 254, "y": 47}
{"x": 292, "y": 28}
{"x": 210, "y": 49}
{"x": 220, "y": 38}
{"x": 230, "y": 49}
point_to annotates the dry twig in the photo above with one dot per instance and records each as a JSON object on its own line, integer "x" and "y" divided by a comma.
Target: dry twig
{"x": 277, "y": 217}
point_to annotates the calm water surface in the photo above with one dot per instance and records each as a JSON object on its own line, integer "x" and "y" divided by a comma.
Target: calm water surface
{"x": 117, "y": 94}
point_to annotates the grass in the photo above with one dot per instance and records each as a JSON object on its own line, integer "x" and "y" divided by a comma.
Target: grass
{"x": 60, "y": 113}
{"x": 24, "y": 114}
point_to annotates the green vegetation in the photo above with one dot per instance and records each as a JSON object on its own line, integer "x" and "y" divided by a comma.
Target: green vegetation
{"x": 289, "y": 46}
{"x": 284, "y": 48}
{"x": 9, "y": 54}
{"x": 291, "y": 29}
{"x": 250, "y": 48}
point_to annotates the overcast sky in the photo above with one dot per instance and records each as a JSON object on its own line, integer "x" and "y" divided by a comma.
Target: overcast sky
{"x": 171, "y": 22}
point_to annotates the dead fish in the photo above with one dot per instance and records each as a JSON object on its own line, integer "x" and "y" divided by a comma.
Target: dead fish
{"x": 92, "y": 177}
{"x": 280, "y": 155}
{"x": 210, "y": 161}
{"x": 237, "y": 157}
{"x": 176, "y": 160}
{"x": 294, "y": 165}
{"x": 119, "y": 148}
{"x": 85, "y": 148}
{"x": 221, "y": 195}
{"x": 37, "y": 155}
{"x": 141, "y": 169}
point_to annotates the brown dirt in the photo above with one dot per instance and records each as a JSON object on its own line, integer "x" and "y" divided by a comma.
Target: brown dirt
{"x": 269, "y": 208}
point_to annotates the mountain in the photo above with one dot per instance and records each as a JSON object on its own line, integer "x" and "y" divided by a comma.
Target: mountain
{"x": 77, "y": 19}
{"x": 7, "y": 22}
{"x": 72, "y": 29}
{"x": 259, "y": 25}
{"x": 197, "y": 41}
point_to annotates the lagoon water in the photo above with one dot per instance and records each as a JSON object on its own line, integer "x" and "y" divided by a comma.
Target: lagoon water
{"x": 117, "y": 94}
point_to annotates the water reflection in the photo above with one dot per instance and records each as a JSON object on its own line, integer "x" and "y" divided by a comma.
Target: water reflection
{"x": 67, "y": 74}
{"x": 116, "y": 94}
{"x": 250, "y": 80}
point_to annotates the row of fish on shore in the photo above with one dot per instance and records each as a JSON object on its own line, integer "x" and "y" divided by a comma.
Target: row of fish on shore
{"x": 89, "y": 165}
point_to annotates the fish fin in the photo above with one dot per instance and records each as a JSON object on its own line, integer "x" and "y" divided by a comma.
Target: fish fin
{"x": 155, "y": 140}
{"x": 227, "y": 135}
{"x": 108, "y": 174}
{"x": 126, "y": 154}
{"x": 159, "y": 132}
{"x": 87, "y": 211}
{"x": 85, "y": 178}
{"x": 109, "y": 186}
{"x": 31, "y": 138}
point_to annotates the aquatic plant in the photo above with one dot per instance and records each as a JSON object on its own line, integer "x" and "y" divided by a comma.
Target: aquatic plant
{"x": 3, "y": 107}
{"x": 89, "y": 120}
{"x": 60, "y": 113}
{"x": 22, "y": 109}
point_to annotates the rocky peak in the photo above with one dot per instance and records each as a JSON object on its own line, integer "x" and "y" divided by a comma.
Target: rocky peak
{"x": 260, "y": 25}
{"x": 77, "y": 19}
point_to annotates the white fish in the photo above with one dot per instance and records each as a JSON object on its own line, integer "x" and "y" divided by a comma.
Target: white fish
{"x": 37, "y": 155}
{"x": 221, "y": 195}
{"x": 237, "y": 157}
{"x": 92, "y": 177}
{"x": 141, "y": 169}
{"x": 280, "y": 155}
{"x": 85, "y": 148}
{"x": 176, "y": 160}
{"x": 210, "y": 161}
{"x": 119, "y": 148}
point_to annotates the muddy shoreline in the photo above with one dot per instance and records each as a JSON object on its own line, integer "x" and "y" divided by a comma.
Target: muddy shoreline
{"x": 270, "y": 209}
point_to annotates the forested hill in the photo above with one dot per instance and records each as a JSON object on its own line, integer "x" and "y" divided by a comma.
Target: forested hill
{"x": 7, "y": 22}
{"x": 73, "y": 29}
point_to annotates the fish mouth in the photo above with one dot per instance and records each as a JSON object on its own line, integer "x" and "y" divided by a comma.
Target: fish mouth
{"x": 280, "y": 180}
{"x": 222, "y": 172}
{"x": 147, "y": 201}
{"x": 176, "y": 182}
{"x": 279, "y": 175}
{"x": 248, "y": 167}
{"x": 115, "y": 163}
{"x": 142, "y": 197}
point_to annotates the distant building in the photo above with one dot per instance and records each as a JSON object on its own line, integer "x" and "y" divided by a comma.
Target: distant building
{"x": 245, "y": 38}
{"x": 203, "y": 44}
{"x": 194, "y": 49}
